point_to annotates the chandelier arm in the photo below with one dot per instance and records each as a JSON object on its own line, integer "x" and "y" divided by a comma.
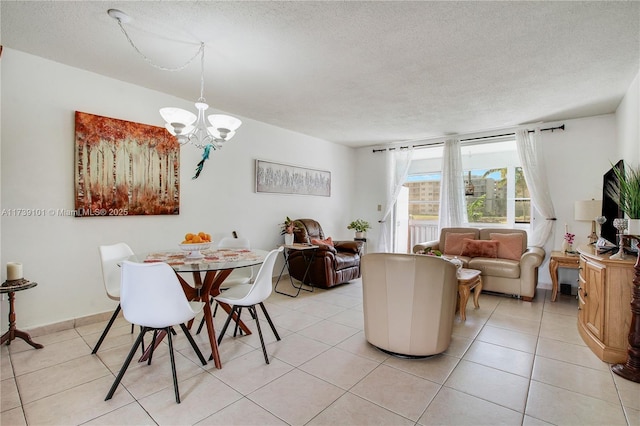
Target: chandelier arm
{"x": 150, "y": 62}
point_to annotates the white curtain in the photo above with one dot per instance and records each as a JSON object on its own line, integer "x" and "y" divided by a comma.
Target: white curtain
{"x": 397, "y": 166}
{"x": 530, "y": 153}
{"x": 453, "y": 210}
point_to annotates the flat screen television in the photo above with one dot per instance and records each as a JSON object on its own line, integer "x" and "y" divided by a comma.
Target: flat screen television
{"x": 610, "y": 208}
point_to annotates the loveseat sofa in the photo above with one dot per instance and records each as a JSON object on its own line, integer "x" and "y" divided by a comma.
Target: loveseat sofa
{"x": 507, "y": 263}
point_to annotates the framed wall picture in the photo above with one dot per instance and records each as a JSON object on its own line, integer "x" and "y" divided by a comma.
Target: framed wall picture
{"x": 124, "y": 168}
{"x": 281, "y": 178}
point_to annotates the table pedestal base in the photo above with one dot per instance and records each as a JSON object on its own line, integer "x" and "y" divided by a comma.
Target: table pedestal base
{"x": 13, "y": 332}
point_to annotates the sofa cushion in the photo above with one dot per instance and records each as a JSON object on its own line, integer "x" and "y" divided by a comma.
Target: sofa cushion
{"x": 510, "y": 246}
{"x": 318, "y": 242}
{"x": 495, "y": 267}
{"x": 453, "y": 242}
{"x": 479, "y": 248}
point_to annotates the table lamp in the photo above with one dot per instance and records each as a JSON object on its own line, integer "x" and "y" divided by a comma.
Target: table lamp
{"x": 588, "y": 210}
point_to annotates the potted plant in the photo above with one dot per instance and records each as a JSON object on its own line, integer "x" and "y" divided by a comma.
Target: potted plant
{"x": 360, "y": 226}
{"x": 626, "y": 192}
{"x": 288, "y": 227}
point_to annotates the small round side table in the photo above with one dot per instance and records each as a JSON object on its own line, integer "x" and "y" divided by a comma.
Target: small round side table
{"x": 11, "y": 287}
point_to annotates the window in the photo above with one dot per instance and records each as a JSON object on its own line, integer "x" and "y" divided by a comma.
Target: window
{"x": 495, "y": 189}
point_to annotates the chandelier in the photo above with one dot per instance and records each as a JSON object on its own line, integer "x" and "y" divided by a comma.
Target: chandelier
{"x": 187, "y": 127}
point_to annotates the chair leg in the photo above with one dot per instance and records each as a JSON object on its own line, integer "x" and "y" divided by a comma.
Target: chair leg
{"x": 124, "y": 367}
{"x": 235, "y": 330}
{"x": 173, "y": 367}
{"x": 193, "y": 344}
{"x": 226, "y": 324}
{"x": 266, "y": 314}
{"x": 153, "y": 345}
{"x": 264, "y": 349}
{"x": 106, "y": 329}
{"x": 142, "y": 345}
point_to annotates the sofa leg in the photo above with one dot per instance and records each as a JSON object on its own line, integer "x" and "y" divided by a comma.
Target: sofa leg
{"x": 526, "y": 298}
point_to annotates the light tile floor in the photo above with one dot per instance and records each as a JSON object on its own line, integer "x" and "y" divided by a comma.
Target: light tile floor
{"x": 511, "y": 362}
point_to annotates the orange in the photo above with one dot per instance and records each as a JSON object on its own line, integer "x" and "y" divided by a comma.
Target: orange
{"x": 196, "y": 239}
{"x": 189, "y": 236}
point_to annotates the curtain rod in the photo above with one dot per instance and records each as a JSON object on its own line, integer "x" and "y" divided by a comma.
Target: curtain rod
{"x": 561, "y": 127}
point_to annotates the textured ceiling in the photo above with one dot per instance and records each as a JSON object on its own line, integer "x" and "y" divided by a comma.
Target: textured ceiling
{"x": 356, "y": 73}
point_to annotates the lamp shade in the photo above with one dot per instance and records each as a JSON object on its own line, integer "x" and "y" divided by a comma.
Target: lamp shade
{"x": 221, "y": 121}
{"x": 587, "y": 210}
{"x": 178, "y": 115}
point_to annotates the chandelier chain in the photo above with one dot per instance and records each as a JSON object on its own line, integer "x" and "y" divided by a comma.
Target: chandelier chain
{"x": 159, "y": 67}
{"x": 202, "y": 73}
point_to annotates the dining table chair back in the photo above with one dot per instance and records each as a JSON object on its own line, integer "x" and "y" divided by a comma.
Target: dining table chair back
{"x": 250, "y": 295}
{"x": 234, "y": 242}
{"x": 151, "y": 296}
{"x": 263, "y": 284}
{"x": 237, "y": 276}
{"x": 110, "y": 257}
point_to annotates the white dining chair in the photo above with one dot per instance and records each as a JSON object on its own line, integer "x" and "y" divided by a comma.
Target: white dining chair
{"x": 152, "y": 297}
{"x": 110, "y": 256}
{"x": 237, "y": 276}
{"x": 250, "y": 295}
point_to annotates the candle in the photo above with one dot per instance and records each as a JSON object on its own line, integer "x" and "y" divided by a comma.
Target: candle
{"x": 14, "y": 271}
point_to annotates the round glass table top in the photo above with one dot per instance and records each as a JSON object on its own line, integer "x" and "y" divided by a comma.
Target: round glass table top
{"x": 210, "y": 259}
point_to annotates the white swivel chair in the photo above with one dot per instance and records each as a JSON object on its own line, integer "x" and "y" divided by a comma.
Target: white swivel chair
{"x": 110, "y": 256}
{"x": 152, "y": 297}
{"x": 250, "y": 295}
{"x": 408, "y": 303}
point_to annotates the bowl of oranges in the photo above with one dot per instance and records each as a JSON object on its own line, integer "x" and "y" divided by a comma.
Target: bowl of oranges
{"x": 193, "y": 243}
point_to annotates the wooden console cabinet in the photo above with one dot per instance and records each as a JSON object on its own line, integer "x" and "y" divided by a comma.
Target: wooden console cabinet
{"x": 605, "y": 289}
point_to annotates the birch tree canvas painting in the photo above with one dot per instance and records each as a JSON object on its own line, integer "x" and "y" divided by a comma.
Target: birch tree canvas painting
{"x": 125, "y": 168}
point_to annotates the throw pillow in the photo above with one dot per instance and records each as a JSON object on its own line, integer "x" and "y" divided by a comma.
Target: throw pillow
{"x": 479, "y": 248}
{"x": 453, "y": 242}
{"x": 317, "y": 242}
{"x": 510, "y": 246}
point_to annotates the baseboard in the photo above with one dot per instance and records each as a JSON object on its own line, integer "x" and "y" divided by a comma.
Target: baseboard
{"x": 69, "y": 324}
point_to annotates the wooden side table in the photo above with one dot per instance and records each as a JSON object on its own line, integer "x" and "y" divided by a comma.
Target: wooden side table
{"x": 468, "y": 279}
{"x": 560, "y": 260}
{"x": 11, "y": 287}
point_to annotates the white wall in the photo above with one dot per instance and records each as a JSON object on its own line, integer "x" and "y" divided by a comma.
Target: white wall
{"x": 628, "y": 124}
{"x": 60, "y": 253}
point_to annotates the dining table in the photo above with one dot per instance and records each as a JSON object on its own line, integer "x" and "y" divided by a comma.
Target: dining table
{"x": 209, "y": 268}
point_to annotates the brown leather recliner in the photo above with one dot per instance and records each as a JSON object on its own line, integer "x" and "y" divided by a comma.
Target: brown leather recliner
{"x": 331, "y": 265}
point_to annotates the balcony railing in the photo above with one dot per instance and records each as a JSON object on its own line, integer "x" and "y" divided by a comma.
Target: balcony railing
{"x": 421, "y": 231}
